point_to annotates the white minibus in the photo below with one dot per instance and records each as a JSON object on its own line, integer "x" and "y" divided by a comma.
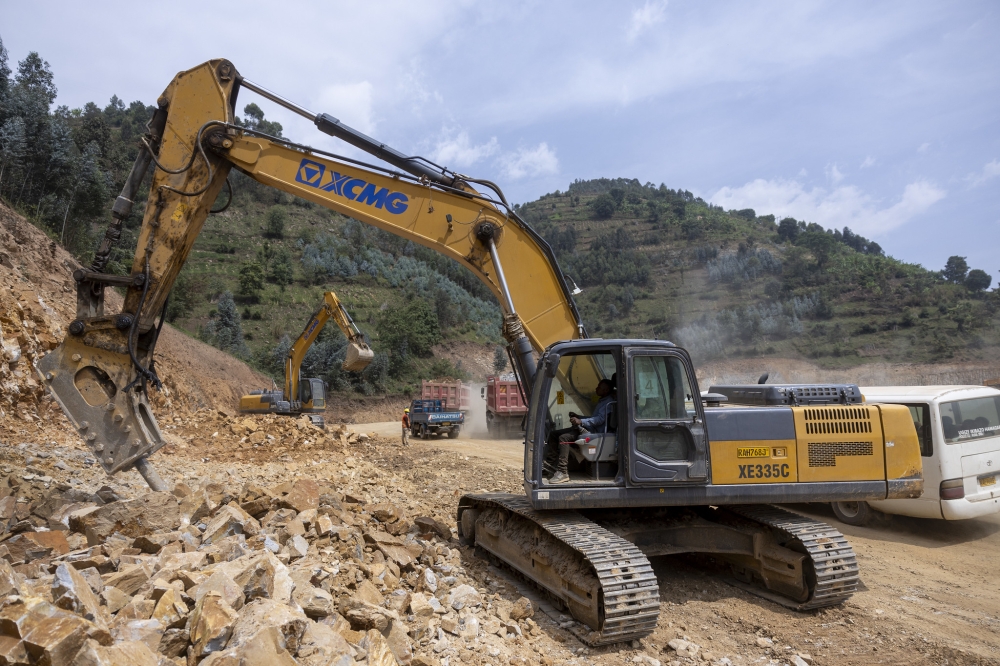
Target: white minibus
{"x": 959, "y": 432}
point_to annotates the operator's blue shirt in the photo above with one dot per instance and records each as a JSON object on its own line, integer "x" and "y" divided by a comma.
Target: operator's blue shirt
{"x": 600, "y": 415}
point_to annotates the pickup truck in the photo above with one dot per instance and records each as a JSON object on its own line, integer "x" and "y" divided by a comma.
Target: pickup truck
{"x": 430, "y": 417}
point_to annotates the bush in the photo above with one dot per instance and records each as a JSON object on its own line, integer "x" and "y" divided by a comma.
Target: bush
{"x": 274, "y": 226}
{"x": 408, "y": 329}
{"x": 280, "y": 272}
{"x": 251, "y": 280}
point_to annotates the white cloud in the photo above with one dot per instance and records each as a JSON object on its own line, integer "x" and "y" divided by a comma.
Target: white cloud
{"x": 529, "y": 162}
{"x": 646, "y": 17}
{"x": 869, "y": 162}
{"x": 459, "y": 152}
{"x": 833, "y": 173}
{"x": 990, "y": 170}
{"x": 923, "y": 147}
{"x": 835, "y": 208}
{"x": 350, "y": 103}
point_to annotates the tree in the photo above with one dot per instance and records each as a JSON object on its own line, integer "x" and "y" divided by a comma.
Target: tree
{"x": 13, "y": 148}
{"x": 409, "y": 329}
{"x": 603, "y": 206}
{"x": 4, "y": 77}
{"x": 275, "y": 224}
{"x": 821, "y": 244}
{"x": 788, "y": 229}
{"x": 978, "y": 280}
{"x": 251, "y": 280}
{"x": 499, "y": 359}
{"x": 280, "y": 272}
{"x": 34, "y": 73}
{"x": 255, "y": 120}
{"x": 182, "y": 297}
{"x": 226, "y": 330}
{"x": 955, "y": 269}
{"x": 963, "y": 314}
{"x": 445, "y": 309}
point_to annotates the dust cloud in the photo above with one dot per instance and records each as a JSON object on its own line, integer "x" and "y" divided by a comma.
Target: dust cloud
{"x": 746, "y": 371}
{"x": 475, "y": 418}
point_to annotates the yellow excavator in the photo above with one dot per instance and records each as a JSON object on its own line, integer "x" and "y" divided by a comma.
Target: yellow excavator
{"x": 652, "y": 466}
{"x": 308, "y": 395}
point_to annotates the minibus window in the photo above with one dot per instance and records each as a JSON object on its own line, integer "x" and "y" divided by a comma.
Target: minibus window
{"x": 921, "y": 415}
{"x": 975, "y": 418}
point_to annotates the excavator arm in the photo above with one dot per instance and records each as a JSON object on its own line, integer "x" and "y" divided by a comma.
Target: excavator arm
{"x": 100, "y": 373}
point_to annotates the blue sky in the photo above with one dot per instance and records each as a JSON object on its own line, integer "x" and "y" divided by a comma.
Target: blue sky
{"x": 884, "y": 117}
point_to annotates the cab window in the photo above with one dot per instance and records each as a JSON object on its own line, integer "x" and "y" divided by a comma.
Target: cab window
{"x": 662, "y": 390}
{"x": 573, "y": 388}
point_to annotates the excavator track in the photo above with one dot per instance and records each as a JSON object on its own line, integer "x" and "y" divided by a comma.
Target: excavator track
{"x": 627, "y": 600}
{"x": 833, "y": 559}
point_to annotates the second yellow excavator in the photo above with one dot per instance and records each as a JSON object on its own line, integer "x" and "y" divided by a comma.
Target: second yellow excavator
{"x": 308, "y": 396}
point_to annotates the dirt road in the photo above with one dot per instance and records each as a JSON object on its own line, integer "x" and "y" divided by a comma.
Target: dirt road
{"x": 507, "y": 451}
{"x": 929, "y": 594}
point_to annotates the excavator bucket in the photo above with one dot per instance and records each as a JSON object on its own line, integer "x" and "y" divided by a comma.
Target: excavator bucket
{"x": 358, "y": 357}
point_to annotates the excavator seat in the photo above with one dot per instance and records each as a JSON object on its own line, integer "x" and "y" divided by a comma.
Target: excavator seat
{"x": 600, "y": 447}
{"x": 598, "y": 452}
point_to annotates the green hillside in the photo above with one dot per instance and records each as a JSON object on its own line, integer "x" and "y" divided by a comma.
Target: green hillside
{"x": 656, "y": 262}
{"x": 652, "y": 262}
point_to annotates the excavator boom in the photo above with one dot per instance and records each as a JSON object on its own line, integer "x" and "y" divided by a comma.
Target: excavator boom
{"x": 100, "y": 373}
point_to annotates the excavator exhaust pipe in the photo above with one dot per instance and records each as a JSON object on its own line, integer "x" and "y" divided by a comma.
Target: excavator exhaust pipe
{"x": 358, "y": 357}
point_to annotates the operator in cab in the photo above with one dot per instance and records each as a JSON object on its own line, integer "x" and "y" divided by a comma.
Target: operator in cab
{"x": 579, "y": 425}
{"x": 406, "y": 427}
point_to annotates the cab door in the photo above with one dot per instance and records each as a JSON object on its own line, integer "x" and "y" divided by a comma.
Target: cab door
{"x": 666, "y": 421}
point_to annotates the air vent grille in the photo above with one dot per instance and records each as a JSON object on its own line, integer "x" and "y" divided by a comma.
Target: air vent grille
{"x": 837, "y": 420}
{"x": 824, "y": 454}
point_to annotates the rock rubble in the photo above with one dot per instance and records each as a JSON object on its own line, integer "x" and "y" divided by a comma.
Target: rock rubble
{"x": 300, "y": 572}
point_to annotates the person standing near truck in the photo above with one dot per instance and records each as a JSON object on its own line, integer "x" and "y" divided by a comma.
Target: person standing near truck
{"x": 406, "y": 427}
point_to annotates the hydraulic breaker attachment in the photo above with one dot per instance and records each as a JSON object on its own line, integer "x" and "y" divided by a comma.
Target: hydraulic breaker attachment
{"x": 117, "y": 425}
{"x": 99, "y": 375}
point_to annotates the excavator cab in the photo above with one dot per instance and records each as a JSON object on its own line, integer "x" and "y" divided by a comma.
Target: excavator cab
{"x": 650, "y": 431}
{"x": 312, "y": 393}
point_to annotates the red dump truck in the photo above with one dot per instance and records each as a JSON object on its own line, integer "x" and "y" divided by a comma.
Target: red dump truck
{"x": 454, "y": 395}
{"x": 505, "y": 409}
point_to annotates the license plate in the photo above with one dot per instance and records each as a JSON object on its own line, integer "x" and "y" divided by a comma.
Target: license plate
{"x": 988, "y": 480}
{"x": 753, "y": 452}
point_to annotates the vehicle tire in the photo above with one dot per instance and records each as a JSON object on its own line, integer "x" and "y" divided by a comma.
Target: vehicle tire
{"x": 453, "y": 433}
{"x": 853, "y": 513}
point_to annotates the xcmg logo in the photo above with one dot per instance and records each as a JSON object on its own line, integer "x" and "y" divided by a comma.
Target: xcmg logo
{"x": 315, "y": 175}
